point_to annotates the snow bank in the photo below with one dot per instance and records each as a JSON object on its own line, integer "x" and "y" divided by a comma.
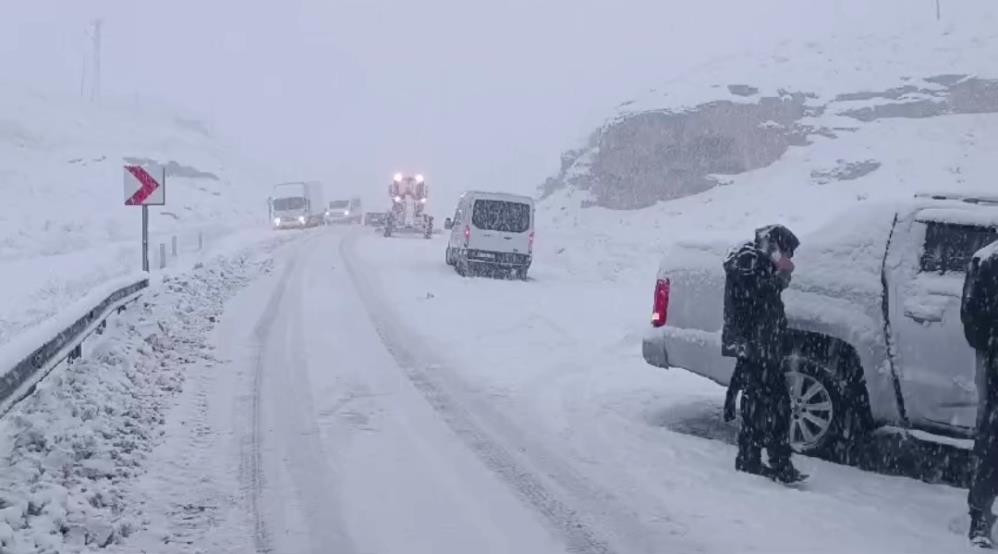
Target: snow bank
{"x": 69, "y": 451}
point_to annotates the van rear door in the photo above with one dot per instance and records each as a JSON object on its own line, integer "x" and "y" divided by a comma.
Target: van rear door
{"x": 502, "y": 226}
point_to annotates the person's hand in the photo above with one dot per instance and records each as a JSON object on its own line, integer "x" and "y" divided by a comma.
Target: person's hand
{"x": 783, "y": 263}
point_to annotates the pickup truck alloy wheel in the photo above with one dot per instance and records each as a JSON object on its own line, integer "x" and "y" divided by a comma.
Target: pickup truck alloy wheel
{"x": 812, "y": 411}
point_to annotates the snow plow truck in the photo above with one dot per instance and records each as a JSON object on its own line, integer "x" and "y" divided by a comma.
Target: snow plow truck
{"x": 409, "y": 195}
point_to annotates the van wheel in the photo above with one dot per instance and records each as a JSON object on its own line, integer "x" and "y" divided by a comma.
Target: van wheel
{"x": 521, "y": 273}
{"x": 461, "y": 265}
{"x": 448, "y": 256}
{"x": 824, "y": 418}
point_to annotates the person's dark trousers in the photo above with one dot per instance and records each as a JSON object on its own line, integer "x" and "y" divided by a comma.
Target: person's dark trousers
{"x": 984, "y": 487}
{"x": 765, "y": 410}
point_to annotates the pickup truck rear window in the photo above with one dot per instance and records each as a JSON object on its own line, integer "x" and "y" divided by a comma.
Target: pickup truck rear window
{"x": 949, "y": 247}
{"x": 502, "y": 216}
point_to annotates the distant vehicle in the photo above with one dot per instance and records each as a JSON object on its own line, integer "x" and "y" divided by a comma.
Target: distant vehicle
{"x": 491, "y": 231}
{"x": 409, "y": 195}
{"x": 344, "y": 211}
{"x": 297, "y": 205}
{"x": 874, "y": 311}
{"x": 375, "y": 219}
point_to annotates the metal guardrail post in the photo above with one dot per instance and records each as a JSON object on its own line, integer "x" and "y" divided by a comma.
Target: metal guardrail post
{"x": 76, "y": 353}
{"x": 162, "y": 255}
{"x": 174, "y": 246}
{"x": 200, "y": 241}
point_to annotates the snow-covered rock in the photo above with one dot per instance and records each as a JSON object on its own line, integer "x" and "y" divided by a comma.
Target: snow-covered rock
{"x": 747, "y": 113}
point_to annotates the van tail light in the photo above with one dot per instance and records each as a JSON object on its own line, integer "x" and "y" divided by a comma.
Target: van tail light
{"x": 467, "y": 235}
{"x": 530, "y": 243}
{"x": 660, "y": 311}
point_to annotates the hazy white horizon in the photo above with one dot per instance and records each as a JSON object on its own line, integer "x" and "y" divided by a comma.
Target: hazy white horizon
{"x": 473, "y": 94}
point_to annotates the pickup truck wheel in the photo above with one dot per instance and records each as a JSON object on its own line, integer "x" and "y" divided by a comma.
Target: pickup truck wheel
{"x": 817, "y": 410}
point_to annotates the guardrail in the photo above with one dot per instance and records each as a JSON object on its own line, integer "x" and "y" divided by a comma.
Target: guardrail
{"x": 18, "y": 382}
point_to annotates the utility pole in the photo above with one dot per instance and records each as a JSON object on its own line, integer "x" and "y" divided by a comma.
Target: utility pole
{"x": 95, "y": 81}
{"x": 939, "y": 10}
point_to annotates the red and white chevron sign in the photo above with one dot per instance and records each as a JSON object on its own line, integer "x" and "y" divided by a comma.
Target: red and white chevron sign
{"x": 142, "y": 189}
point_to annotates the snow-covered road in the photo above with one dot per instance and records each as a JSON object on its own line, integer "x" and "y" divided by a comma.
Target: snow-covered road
{"x": 338, "y": 449}
{"x": 365, "y": 399}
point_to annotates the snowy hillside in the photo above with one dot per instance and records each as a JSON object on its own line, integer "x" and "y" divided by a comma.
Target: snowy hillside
{"x": 61, "y": 184}
{"x": 824, "y": 114}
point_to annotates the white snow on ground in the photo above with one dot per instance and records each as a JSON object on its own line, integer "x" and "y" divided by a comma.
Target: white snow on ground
{"x": 558, "y": 358}
{"x": 64, "y": 228}
{"x": 363, "y": 397}
{"x": 69, "y": 453}
{"x": 307, "y": 436}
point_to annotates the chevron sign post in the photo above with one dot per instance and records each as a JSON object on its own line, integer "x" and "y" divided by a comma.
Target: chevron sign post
{"x": 142, "y": 189}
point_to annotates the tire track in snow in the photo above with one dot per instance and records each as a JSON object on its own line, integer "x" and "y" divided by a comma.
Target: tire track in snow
{"x": 290, "y": 419}
{"x": 480, "y": 432}
{"x": 252, "y": 463}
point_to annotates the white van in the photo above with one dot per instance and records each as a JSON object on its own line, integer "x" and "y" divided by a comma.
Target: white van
{"x": 491, "y": 230}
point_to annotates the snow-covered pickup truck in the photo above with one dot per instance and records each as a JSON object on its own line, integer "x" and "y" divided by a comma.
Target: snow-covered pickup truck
{"x": 874, "y": 311}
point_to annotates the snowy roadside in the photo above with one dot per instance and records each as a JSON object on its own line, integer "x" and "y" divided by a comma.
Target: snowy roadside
{"x": 559, "y": 357}
{"x": 33, "y": 294}
{"x": 70, "y": 453}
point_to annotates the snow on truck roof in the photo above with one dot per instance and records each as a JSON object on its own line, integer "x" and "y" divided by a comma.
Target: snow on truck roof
{"x": 977, "y": 216}
{"x": 841, "y": 256}
{"x": 858, "y": 223}
{"x": 498, "y": 196}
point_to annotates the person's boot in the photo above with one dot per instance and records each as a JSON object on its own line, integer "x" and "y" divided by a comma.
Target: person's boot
{"x": 981, "y": 523}
{"x": 787, "y": 473}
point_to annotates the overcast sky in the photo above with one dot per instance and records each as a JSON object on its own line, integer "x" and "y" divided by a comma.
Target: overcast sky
{"x": 474, "y": 94}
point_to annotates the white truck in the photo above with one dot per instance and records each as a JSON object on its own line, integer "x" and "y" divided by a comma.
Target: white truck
{"x": 874, "y": 312}
{"x": 297, "y": 205}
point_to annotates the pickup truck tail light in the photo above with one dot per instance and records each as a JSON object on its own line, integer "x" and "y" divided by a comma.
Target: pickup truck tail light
{"x": 660, "y": 310}
{"x": 467, "y": 235}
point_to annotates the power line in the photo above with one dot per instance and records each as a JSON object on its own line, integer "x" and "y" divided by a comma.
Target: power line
{"x": 95, "y": 82}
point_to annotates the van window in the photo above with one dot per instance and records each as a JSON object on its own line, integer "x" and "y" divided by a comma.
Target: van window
{"x": 949, "y": 247}
{"x": 501, "y": 215}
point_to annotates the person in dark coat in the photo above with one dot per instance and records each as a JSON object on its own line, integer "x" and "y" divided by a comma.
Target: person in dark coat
{"x": 755, "y": 332}
{"x": 979, "y": 313}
